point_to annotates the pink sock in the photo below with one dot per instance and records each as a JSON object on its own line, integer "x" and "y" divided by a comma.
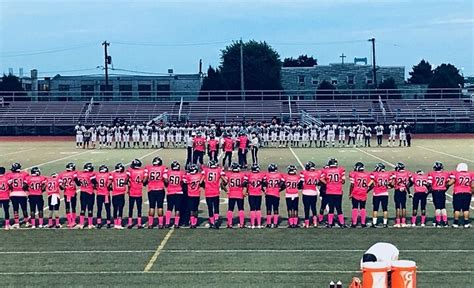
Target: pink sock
{"x": 269, "y": 219}
{"x": 354, "y": 216}
{"x": 32, "y": 221}
{"x": 168, "y": 217}
{"x": 50, "y": 222}
{"x": 73, "y": 217}
{"x": 57, "y": 221}
{"x": 438, "y": 218}
{"x": 363, "y": 216}
{"x": 99, "y": 221}
{"x": 252, "y": 218}
{"x": 295, "y": 220}
{"x": 216, "y": 217}
{"x": 341, "y": 219}
{"x": 290, "y": 220}
{"x": 150, "y": 220}
{"x": 275, "y": 219}
{"x": 445, "y": 218}
{"x": 160, "y": 220}
{"x": 130, "y": 221}
{"x": 212, "y": 220}
{"x": 116, "y": 222}
{"x": 90, "y": 221}
{"x": 413, "y": 219}
{"x": 320, "y": 218}
{"x": 315, "y": 220}
{"x": 241, "y": 218}
{"x": 81, "y": 220}
{"x": 330, "y": 218}
{"x": 119, "y": 221}
{"x": 306, "y": 223}
{"x": 229, "y": 218}
{"x": 193, "y": 218}
{"x": 139, "y": 221}
{"x": 258, "y": 215}
{"x": 404, "y": 220}
{"x": 17, "y": 219}
{"x": 176, "y": 220}
{"x": 423, "y": 219}
{"x": 397, "y": 221}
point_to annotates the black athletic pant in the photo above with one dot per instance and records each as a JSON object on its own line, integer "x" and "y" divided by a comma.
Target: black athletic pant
{"x": 101, "y": 203}
{"x": 236, "y": 201}
{"x": 189, "y": 158}
{"x": 255, "y": 203}
{"x": 198, "y": 157}
{"x": 408, "y": 139}
{"x": 212, "y": 205}
{"x": 309, "y": 202}
{"x": 255, "y": 155}
{"x": 118, "y": 202}
{"x": 131, "y": 203}
{"x": 71, "y": 205}
{"x": 228, "y": 157}
{"x": 335, "y": 203}
{"x": 19, "y": 201}
{"x": 212, "y": 155}
{"x": 6, "y": 208}
{"x": 87, "y": 203}
{"x": 379, "y": 140}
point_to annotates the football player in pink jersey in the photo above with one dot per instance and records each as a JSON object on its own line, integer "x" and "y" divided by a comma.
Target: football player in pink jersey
{"x": 400, "y": 182}
{"x": 5, "y": 188}
{"x": 361, "y": 184}
{"x": 254, "y": 190}
{"x": 54, "y": 200}
{"x": 156, "y": 191}
{"x": 35, "y": 185}
{"x": 382, "y": 183}
{"x": 310, "y": 192}
{"x": 212, "y": 175}
{"x": 103, "y": 196}
{"x": 237, "y": 182}
{"x": 463, "y": 186}
{"x": 119, "y": 183}
{"x": 421, "y": 184}
{"x": 273, "y": 185}
{"x": 193, "y": 184}
{"x": 137, "y": 179}
{"x": 86, "y": 180}
{"x": 439, "y": 178}
{"x": 334, "y": 178}
{"x": 66, "y": 178}
{"x": 18, "y": 195}
{"x": 293, "y": 183}
{"x": 174, "y": 180}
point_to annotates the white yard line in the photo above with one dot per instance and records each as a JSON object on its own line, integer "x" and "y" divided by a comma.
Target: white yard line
{"x": 447, "y": 154}
{"x": 16, "y": 152}
{"x": 191, "y": 272}
{"x": 186, "y": 251}
{"x": 158, "y": 251}
{"x": 296, "y": 157}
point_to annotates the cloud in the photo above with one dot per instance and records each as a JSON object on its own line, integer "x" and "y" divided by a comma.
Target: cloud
{"x": 454, "y": 21}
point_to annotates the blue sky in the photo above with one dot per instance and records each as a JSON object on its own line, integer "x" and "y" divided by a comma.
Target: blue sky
{"x": 152, "y": 36}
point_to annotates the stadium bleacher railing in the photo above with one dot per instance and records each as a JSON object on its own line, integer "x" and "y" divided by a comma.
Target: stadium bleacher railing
{"x": 235, "y": 95}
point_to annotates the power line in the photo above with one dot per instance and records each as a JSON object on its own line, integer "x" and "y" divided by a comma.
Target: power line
{"x": 40, "y": 52}
{"x": 67, "y": 71}
{"x": 139, "y": 72}
{"x": 315, "y": 43}
{"x": 171, "y": 44}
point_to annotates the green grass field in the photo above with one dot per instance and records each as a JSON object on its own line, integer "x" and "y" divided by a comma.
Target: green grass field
{"x": 237, "y": 257}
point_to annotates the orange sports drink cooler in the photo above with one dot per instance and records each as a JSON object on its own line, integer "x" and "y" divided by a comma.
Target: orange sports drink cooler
{"x": 374, "y": 275}
{"x": 403, "y": 274}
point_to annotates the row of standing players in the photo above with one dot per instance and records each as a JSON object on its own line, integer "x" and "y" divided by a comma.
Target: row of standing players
{"x": 183, "y": 190}
{"x": 164, "y": 135}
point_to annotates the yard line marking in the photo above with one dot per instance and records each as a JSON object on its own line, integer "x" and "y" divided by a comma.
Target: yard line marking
{"x": 376, "y": 157}
{"x": 40, "y": 273}
{"x": 391, "y": 164}
{"x": 56, "y": 160}
{"x": 214, "y": 251}
{"x": 296, "y": 157}
{"x": 16, "y": 152}
{"x": 447, "y": 154}
{"x": 158, "y": 251}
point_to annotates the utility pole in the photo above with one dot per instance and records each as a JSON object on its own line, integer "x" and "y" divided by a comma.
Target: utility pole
{"x": 242, "y": 86}
{"x": 374, "y": 69}
{"x": 106, "y": 44}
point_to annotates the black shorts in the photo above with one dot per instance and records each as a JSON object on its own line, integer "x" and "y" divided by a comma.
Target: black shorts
{"x": 419, "y": 199}
{"x": 439, "y": 199}
{"x": 400, "y": 199}
{"x": 87, "y": 201}
{"x": 53, "y": 207}
{"x": 255, "y": 202}
{"x": 462, "y": 201}
{"x": 193, "y": 203}
{"x": 358, "y": 204}
{"x": 292, "y": 203}
{"x": 233, "y": 202}
{"x": 19, "y": 201}
{"x": 174, "y": 202}
{"x": 272, "y": 203}
{"x": 36, "y": 202}
{"x": 156, "y": 199}
{"x": 380, "y": 200}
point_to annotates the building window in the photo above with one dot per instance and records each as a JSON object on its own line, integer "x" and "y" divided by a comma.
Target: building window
{"x": 301, "y": 79}
{"x": 334, "y": 81}
{"x": 315, "y": 80}
{"x": 350, "y": 80}
{"x": 368, "y": 80}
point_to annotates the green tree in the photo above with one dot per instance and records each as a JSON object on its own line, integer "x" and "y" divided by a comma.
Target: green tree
{"x": 326, "y": 85}
{"x": 261, "y": 63}
{"x": 422, "y": 73}
{"x": 388, "y": 84}
{"x": 446, "y": 76}
{"x": 10, "y": 83}
{"x": 213, "y": 80}
{"x": 325, "y": 90}
{"x": 301, "y": 61}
